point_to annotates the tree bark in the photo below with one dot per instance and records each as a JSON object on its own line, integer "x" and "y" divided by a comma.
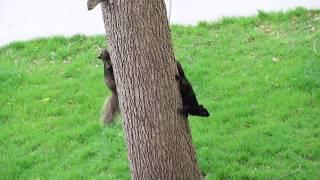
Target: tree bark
{"x": 158, "y": 137}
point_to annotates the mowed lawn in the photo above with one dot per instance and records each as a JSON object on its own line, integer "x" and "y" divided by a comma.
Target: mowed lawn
{"x": 258, "y": 76}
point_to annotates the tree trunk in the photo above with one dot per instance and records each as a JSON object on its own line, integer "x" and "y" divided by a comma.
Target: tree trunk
{"x": 158, "y": 137}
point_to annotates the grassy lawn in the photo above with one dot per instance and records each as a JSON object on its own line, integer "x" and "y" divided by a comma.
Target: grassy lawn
{"x": 258, "y": 76}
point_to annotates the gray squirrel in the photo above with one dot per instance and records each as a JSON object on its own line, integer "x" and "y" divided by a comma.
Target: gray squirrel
{"x": 111, "y": 106}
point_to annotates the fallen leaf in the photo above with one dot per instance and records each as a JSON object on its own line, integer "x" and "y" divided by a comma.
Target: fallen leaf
{"x": 275, "y": 60}
{"x": 45, "y": 100}
{"x": 35, "y": 62}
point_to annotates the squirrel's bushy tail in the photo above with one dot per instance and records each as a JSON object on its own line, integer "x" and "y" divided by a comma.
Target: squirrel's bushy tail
{"x": 110, "y": 109}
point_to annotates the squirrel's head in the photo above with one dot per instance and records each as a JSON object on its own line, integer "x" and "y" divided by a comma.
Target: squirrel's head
{"x": 105, "y": 57}
{"x": 203, "y": 111}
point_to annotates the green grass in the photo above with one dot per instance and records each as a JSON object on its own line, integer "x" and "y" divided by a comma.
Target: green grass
{"x": 258, "y": 76}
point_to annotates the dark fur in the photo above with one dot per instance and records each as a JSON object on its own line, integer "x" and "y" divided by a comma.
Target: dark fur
{"x": 190, "y": 102}
{"x": 111, "y": 106}
{"x": 108, "y": 71}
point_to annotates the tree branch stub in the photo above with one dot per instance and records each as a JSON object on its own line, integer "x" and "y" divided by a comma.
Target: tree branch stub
{"x": 91, "y": 4}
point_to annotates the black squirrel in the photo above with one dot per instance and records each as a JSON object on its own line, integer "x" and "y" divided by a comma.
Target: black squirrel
{"x": 189, "y": 99}
{"x": 111, "y": 106}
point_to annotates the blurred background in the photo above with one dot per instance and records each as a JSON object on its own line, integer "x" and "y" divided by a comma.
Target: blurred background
{"x": 22, "y": 20}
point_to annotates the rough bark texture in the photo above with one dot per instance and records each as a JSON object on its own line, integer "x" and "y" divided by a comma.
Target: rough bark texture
{"x": 158, "y": 137}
